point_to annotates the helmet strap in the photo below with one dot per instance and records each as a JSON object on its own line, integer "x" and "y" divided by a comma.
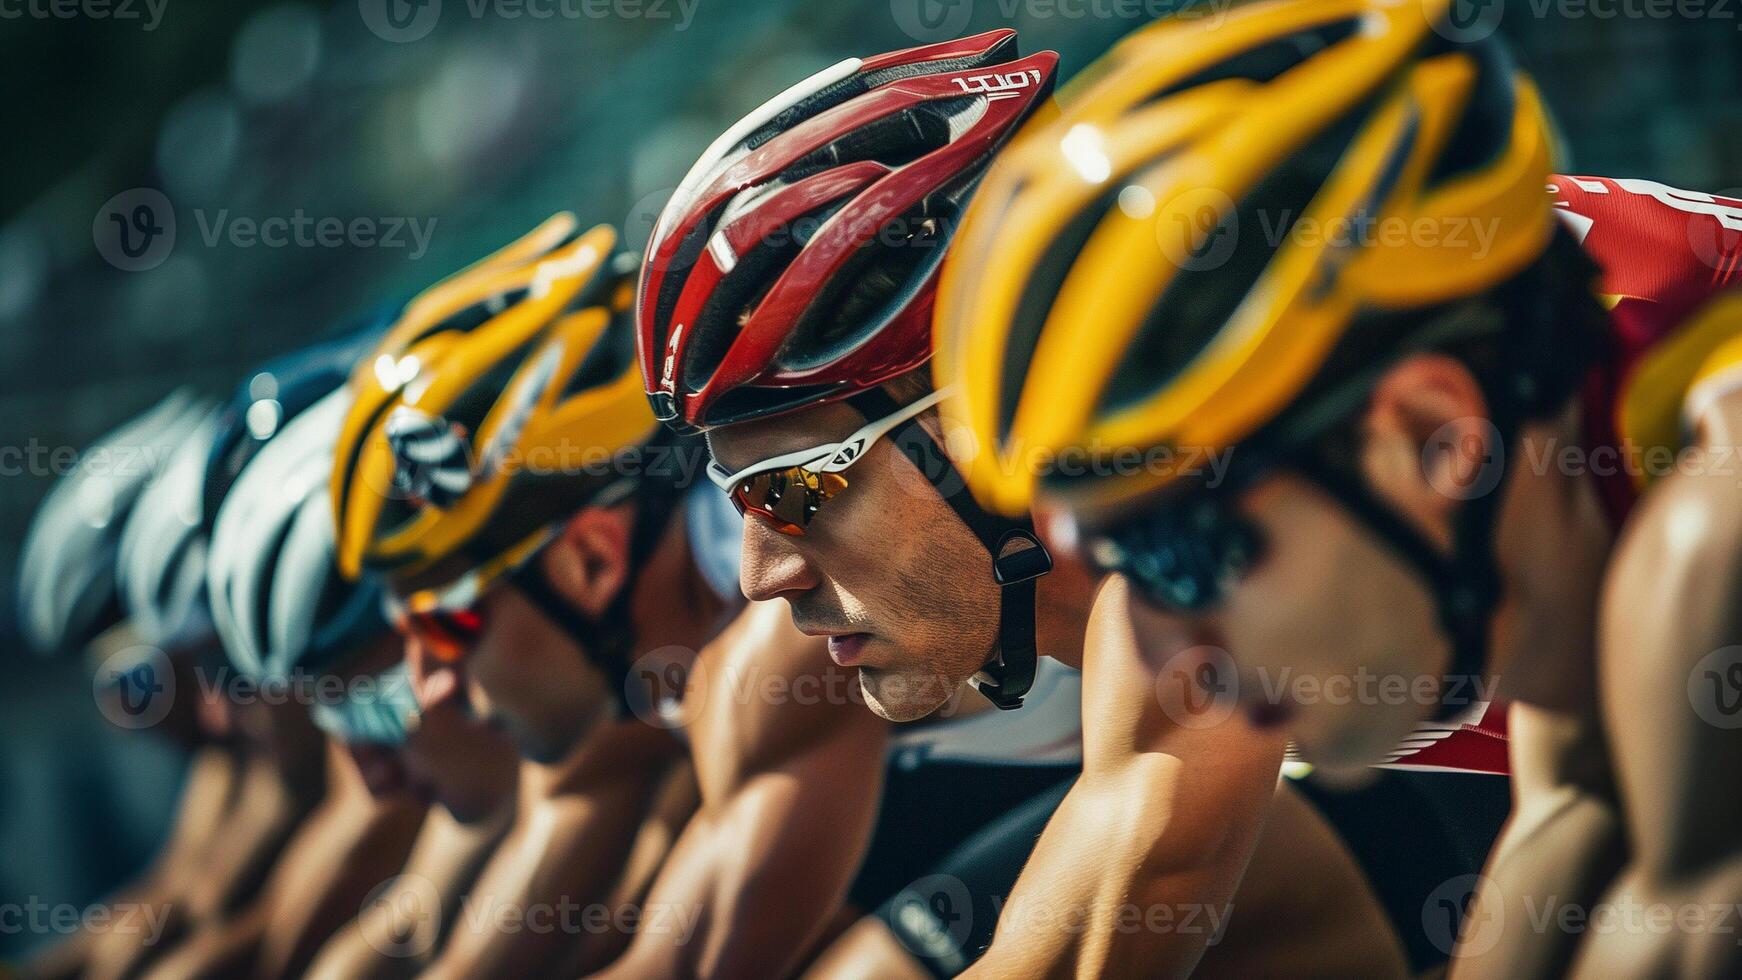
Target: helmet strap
{"x": 1465, "y": 584}
{"x": 609, "y": 638}
{"x": 1017, "y": 554}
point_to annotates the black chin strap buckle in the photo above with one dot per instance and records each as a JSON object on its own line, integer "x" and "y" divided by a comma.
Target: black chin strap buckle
{"x": 1022, "y": 565}
{"x": 1006, "y": 680}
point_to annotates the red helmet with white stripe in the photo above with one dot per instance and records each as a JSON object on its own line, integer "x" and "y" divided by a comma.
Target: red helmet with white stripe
{"x": 797, "y": 261}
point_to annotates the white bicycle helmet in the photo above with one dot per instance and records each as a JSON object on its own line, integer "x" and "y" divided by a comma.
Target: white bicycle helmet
{"x": 277, "y": 598}
{"x": 66, "y": 577}
{"x": 161, "y": 567}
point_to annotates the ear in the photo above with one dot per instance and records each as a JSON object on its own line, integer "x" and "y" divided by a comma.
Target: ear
{"x": 589, "y": 561}
{"x": 1429, "y": 444}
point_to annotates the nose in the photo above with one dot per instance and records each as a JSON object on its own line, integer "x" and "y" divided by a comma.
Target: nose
{"x": 772, "y": 564}
{"x": 416, "y": 660}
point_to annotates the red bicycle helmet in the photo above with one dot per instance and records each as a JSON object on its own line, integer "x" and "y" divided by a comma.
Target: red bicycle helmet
{"x": 797, "y": 261}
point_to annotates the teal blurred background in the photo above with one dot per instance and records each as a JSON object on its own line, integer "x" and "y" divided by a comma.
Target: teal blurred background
{"x": 470, "y": 120}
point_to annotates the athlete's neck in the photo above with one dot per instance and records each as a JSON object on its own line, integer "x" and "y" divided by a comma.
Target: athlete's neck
{"x": 1062, "y": 600}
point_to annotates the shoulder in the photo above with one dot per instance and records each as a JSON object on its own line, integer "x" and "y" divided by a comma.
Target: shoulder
{"x": 1678, "y": 562}
{"x": 762, "y": 693}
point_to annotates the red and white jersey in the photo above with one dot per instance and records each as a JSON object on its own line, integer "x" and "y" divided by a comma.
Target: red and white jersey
{"x": 1474, "y": 741}
{"x": 1667, "y": 256}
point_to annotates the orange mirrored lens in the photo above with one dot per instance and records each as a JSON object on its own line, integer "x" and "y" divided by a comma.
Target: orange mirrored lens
{"x": 787, "y": 498}
{"x": 447, "y": 635}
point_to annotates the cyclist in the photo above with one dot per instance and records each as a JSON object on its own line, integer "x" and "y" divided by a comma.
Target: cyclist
{"x": 273, "y": 602}
{"x": 290, "y": 623}
{"x": 785, "y": 308}
{"x": 113, "y": 565}
{"x": 541, "y": 538}
{"x": 1394, "y": 411}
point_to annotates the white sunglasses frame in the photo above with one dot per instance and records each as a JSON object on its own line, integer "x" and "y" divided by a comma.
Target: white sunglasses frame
{"x": 830, "y": 457}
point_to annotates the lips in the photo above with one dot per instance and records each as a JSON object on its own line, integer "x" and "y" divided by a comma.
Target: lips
{"x": 846, "y": 649}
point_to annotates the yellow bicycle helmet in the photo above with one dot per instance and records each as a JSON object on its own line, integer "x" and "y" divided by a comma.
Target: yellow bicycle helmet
{"x": 505, "y": 398}
{"x": 1174, "y": 258}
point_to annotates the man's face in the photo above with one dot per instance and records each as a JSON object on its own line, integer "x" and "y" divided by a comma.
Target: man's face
{"x": 1331, "y": 636}
{"x": 885, "y": 569}
{"x": 528, "y": 676}
{"x": 452, "y": 757}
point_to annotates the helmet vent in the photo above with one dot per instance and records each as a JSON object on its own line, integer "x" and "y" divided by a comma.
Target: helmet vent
{"x": 1039, "y": 293}
{"x": 858, "y": 84}
{"x": 1266, "y": 62}
{"x": 1196, "y": 306}
{"x": 1484, "y": 130}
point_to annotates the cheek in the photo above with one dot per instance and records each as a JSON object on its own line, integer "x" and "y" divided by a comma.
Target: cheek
{"x": 1312, "y": 600}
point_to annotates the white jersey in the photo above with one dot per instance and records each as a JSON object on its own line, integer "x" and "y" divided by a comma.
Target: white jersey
{"x": 1046, "y": 730}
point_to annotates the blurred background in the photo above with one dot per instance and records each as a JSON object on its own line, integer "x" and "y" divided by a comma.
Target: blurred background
{"x": 434, "y": 131}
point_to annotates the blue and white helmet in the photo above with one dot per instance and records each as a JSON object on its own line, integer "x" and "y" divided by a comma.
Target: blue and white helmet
{"x": 67, "y": 592}
{"x": 161, "y": 568}
{"x": 280, "y": 605}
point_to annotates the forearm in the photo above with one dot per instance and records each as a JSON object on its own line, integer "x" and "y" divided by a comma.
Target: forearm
{"x": 1106, "y": 895}
{"x": 1651, "y": 927}
{"x": 1560, "y": 850}
{"x": 752, "y": 883}
{"x": 655, "y": 840}
{"x": 227, "y": 949}
{"x": 325, "y": 875}
{"x": 232, "y": 867}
